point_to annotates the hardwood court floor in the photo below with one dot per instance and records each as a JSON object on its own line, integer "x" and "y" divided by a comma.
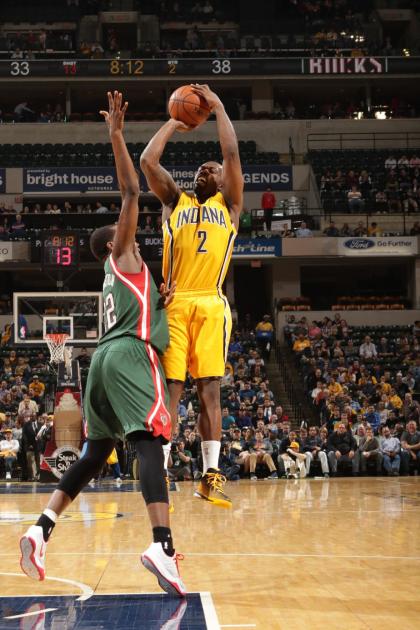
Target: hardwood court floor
{"x": 343, "y": 553}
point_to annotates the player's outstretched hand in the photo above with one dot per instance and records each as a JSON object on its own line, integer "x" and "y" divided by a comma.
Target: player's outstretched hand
{"x": 213, "y": 101}
{"x": 166, "y": 294}
{"x": 114, "y": 117}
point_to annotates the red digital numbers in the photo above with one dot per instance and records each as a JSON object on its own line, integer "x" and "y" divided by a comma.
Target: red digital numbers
{"x": 70, "y": 67}
{"x": 63, "y": 256}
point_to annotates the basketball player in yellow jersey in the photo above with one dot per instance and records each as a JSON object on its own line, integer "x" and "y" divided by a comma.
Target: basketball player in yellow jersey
{"x": 199, "y": 230}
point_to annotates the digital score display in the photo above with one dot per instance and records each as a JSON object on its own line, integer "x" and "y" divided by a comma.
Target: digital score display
{"x": 198, "y": 67}
{"x": 60, "y": 250}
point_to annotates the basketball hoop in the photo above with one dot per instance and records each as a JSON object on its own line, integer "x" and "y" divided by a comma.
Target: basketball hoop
{"x": 56, "y": 343}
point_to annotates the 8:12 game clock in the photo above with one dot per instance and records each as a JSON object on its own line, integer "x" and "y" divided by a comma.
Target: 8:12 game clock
{"x": 60, "y": 250}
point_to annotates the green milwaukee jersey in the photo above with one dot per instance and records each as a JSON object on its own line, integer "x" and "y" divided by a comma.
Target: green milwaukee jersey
{"x": 132, "y": 307}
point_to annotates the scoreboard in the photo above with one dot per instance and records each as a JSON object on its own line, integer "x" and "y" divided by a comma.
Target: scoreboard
{"x": 196, "y": 68}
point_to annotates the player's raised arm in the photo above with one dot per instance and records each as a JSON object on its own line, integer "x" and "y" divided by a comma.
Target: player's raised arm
{"x": 127, "y": 177}
{"x": 233, "y": 181}
{"x": 159, "y": 180}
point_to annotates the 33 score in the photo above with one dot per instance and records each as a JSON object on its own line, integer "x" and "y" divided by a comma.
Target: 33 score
{"x": 19, "y": 68}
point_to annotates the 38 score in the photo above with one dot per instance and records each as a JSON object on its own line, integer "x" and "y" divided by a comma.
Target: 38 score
{"x": 221, "y": 66}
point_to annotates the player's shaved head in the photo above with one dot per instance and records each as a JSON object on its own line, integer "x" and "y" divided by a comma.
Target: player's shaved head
{"x": 99, "y": 239}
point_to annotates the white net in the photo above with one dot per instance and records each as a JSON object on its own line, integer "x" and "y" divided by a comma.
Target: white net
{"x": 56, "y": 345}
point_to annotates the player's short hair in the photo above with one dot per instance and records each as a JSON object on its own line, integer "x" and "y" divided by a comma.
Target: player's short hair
{"x": 98, "y": 240}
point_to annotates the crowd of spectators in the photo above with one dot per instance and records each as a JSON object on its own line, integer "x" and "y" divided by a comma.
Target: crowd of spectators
{"x": 363, "y": 386}
{"x": 24, "y": 424}
{"x": 360, "y": 230}
{"x": 26, "y": 112}
{"x": 212, "y": 27}
{"x": 64, "y": 207}
{"x": 368, "y": 416}
{"x": 13, "y": 226}
{"x": 392, "y": 186}
{"x": 247, "y": 401}
{"x": 24, "y": 44}
{"x": 239, "y": 109}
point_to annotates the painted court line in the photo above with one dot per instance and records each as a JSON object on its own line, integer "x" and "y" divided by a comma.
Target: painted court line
{"x": 305, "y": 555}
{"x": 87, "y": 591}
{"x": 327, "y": 512}
{"x": 31, "y": 614}
{"x": 238, "y": 625}
{"x": 219, "y": 554}
{"x": 209, "y": 610}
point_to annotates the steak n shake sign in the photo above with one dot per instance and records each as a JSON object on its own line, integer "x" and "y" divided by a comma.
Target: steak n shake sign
{"x": 346, "y": 65}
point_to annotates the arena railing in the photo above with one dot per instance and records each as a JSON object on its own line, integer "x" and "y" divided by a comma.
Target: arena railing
{"x": 364, "y": 140}
{"x": 317, "y": 219}
{"x": 292, "y": 393}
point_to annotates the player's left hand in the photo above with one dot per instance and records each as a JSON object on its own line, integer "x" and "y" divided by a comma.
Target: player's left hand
{"x": 213, "y": 101}
{"x": 166, "y": 294}
{"x": 114, "y": 117}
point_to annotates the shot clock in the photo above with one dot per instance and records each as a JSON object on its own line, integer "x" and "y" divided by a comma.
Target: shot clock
{"x": 60, "y": 250}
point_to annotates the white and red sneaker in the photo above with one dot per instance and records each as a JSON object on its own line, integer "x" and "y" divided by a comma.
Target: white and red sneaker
{"x": 165, "y": 568}
{"x": 33, "y": 548}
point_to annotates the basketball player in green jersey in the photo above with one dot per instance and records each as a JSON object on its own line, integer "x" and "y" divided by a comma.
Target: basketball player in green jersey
{"x": 126, "y": 393}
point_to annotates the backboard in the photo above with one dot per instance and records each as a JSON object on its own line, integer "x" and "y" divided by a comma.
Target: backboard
{"x": 58, "y": 325}
{"x": 78, "y": 314}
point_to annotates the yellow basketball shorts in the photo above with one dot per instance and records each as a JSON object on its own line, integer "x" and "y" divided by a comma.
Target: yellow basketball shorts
{"x": 200, "y": 324}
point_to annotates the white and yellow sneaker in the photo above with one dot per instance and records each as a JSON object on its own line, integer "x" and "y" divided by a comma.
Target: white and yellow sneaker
{"x": 211, "y": 488}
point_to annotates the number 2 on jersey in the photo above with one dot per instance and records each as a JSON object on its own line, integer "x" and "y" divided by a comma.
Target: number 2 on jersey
{"x": 202, "y": 234}
{"x": 110, "y": 317}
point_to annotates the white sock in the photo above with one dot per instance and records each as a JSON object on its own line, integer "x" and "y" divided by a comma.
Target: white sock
{"x": 51, "y": 515}
{"x": 166, "y": 452}
{"x": 210, "y": 450}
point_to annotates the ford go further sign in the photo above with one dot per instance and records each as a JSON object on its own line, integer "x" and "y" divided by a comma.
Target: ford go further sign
{"x": 378, "y": 246}
{"x": 359, "y": 243}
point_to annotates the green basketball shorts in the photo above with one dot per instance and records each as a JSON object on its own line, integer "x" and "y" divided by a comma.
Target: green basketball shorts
{"x": 126, "y": 391}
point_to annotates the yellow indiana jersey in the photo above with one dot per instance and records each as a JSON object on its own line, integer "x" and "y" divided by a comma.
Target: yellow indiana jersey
{"x": 197, "y": 244}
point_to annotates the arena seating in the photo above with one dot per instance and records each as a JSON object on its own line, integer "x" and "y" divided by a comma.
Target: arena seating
{"x": 176, "y": 153}
{"x": 337, "y": 170}
{"x": 359, "y": 382}
{"x": 26, "y": 361}
{"x": 197, "y": 28}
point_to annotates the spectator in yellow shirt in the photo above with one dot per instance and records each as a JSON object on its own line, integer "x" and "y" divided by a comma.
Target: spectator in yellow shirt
{"x": 265, "y": 325}
{"x": 264, "y": 333}
{"x": 334, "y": 388}
{"x": 37, "y": 387}
{"x": 301, "y": 343}
{"x": 385, "y": 387}
{"x": 395, "y": 400}
{"x": 374, "y": 229}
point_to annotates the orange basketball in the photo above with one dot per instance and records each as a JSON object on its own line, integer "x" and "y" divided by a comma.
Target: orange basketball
{"x": 188, "y": 107}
